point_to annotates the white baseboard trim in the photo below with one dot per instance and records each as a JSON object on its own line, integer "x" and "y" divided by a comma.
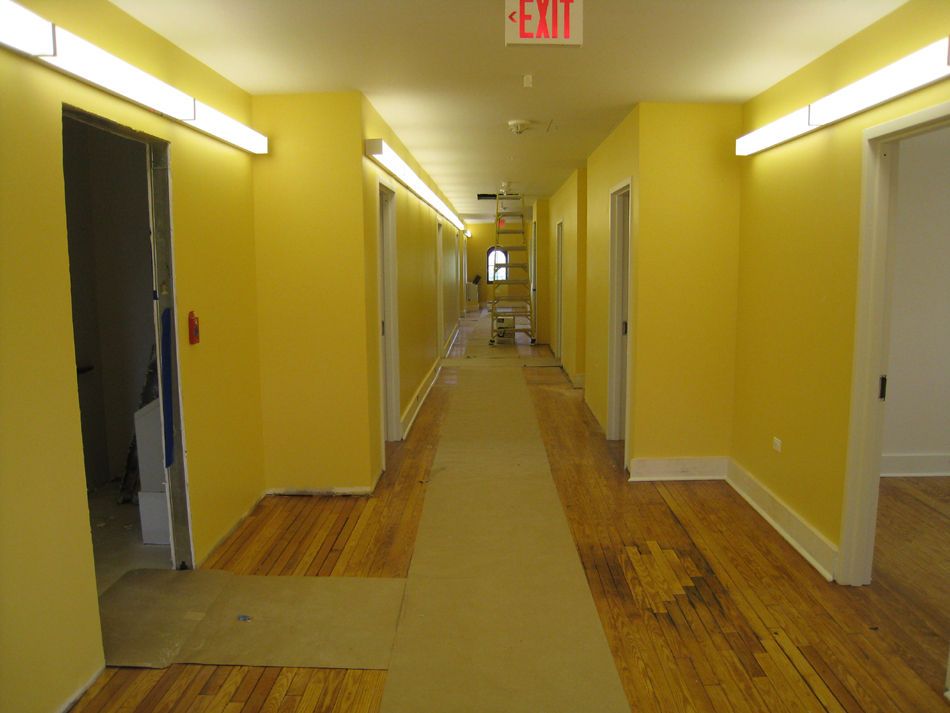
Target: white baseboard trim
{"x": 646, "y": 469}
{"x": 451, "y": 340}
{"x": 820, "y": 552}
{"x": 811, "y": 544}
{"x": 578, "y": 381}
{"x": 321, "y": 491}
{"x": 910, "y": 465}
{"x": 81, "y": 692}
{"x": 409, "y": 417}
{"x": 946, "y": 694}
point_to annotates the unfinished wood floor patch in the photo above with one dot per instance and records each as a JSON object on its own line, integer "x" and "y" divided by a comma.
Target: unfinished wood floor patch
{"x": 498, "y": 615}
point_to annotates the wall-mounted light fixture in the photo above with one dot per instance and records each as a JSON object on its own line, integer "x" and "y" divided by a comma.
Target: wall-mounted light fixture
{"x": 25, "y": 31}
{"x": 383, "y": 154}
{"x": 914, "y": 71}
{"x": 30, "y": 34}
{"x": 468, "y": 233}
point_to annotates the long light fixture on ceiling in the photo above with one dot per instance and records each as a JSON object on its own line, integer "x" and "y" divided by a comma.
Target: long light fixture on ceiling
{"x": 914, "y": 71}
{"x": 383, "y": 154}
{"x": 30, "y": 34}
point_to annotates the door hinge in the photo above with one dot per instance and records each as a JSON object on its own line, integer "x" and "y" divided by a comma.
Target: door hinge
{"x": 882, "y": 388}
{"x": 624, "y": 328}
{"x": 384, "y": 328}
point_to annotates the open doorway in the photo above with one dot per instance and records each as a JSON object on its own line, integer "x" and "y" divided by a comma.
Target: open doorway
{"x": 389, "y": 351}
{"x": 896, "y": 530}
{"x": 619, "y": 311}
{"x": 559, "y": 289}
{"x": 118, "y": 225}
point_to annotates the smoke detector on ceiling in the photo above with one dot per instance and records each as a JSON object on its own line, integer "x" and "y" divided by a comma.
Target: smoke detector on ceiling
{"x": 518, "y": 126}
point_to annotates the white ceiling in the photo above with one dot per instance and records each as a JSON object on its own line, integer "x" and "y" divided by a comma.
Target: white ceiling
{"x": 441, "y": 76}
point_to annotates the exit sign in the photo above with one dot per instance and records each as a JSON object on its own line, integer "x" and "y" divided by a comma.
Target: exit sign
{"x": 544, "y": 22}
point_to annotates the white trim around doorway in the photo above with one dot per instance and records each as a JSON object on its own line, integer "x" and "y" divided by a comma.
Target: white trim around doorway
{"x": 862, "y": 478}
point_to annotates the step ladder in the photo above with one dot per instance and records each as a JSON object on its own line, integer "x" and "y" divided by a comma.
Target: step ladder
{"x": 512, "y": 299}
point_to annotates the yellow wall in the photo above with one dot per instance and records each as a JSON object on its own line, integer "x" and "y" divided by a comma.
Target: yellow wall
{"x": 483, "y": 237}
{"x": 544, "y": 258}
{"x": 311, "y": 269}
{"x": 615, "y": 160}
{"x": 686, "y": 267}
{"x": 450, "y": 283}
{"x": 417, "y": 265}
{"x": 685, "y": 219}
{"x": 569, "y": 205}
{"x": 50, "y": 644}
{"x": 798, "y": 269}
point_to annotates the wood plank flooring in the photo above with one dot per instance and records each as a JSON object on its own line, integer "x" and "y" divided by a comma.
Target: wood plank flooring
{"x": 706, "y": 609}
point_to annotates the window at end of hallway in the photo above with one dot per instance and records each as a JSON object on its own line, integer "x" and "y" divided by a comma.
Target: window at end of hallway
{"x": 497, "y": 256}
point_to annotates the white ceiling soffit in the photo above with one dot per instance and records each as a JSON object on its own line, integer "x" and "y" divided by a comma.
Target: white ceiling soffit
{"x": 441, "y": 76}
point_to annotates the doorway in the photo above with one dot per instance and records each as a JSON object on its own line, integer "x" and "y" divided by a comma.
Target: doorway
{"x": 882, "y": 146}
{"x": 618, "y": 326}
{"x": 440, "y": 288}
{"x": 559, "y": 301}
{"x": 119, "y": 233}
{"x": 388, "y": 310}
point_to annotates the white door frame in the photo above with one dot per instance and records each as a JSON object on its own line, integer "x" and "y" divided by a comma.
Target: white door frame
{"x": 533, "y": 275}
{"x": 463, "y": 275}
{"x": 439, "y": 288}
{"x": 620, "y": 254}
{"x": 389, "y": 312}
{"x": 862, "y": 477}
{"x": 559, "y": 276}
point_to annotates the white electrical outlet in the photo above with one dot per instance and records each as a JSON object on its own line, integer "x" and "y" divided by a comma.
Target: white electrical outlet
{"x": 777, "y": 444}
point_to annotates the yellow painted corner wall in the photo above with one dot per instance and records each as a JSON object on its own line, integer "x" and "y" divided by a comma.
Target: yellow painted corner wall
{"x": 416, "y": 268}
{"x": 311, "y": 282}
{"x": 614, "y": 161}
{"x": 566, "y": 206}
{"x": 483, "y": 237}
{"x": 50, "y": 644}
{"x": 686, "y": 277}
{"x": 419, "y": 342}
{"x": 798, "y": 269}
{"x": 545, "y": 257}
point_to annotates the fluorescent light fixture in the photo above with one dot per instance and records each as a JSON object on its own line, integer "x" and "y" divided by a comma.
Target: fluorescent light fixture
{"x": 211, "y": 121}
{"x": 86, "y": 61}
{"x": 25, "y": 32}
{"x": 382, "y": 153}
{"x": 788, "y": 127}
{"x": 914, "y": 71}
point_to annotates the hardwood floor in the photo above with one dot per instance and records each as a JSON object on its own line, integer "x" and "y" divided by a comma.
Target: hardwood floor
{"x": 911, "y": 577}
{"x": 705, "y": 607}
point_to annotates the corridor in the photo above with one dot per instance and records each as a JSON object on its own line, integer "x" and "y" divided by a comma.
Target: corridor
{"x": 704, "y": 606}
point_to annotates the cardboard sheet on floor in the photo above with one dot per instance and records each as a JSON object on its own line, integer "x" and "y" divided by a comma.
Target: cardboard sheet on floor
{"x": 498, "y": 615}
{"x": 313, "y": 622}
{"x": 505, "y": 361}
{"x": 154, "y": 618}
{"x": 478, "y": 346}
{"x": 148, "y": 614}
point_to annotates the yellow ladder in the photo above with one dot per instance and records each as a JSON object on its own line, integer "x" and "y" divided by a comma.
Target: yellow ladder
{"x": 512, "y": 303}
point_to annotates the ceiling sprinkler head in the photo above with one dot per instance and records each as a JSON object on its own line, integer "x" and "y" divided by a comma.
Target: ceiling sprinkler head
{"x": 518, "y": 126}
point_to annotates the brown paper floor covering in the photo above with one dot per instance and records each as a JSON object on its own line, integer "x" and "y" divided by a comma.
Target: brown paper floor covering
{"x": 498, "y": 615}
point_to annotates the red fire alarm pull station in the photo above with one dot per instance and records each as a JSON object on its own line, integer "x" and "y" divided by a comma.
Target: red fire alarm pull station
{"x": 193, "y": 337}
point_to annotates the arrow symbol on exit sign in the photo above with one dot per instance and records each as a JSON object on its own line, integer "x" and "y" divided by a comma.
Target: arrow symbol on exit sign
{"x": 512, "y": 16}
